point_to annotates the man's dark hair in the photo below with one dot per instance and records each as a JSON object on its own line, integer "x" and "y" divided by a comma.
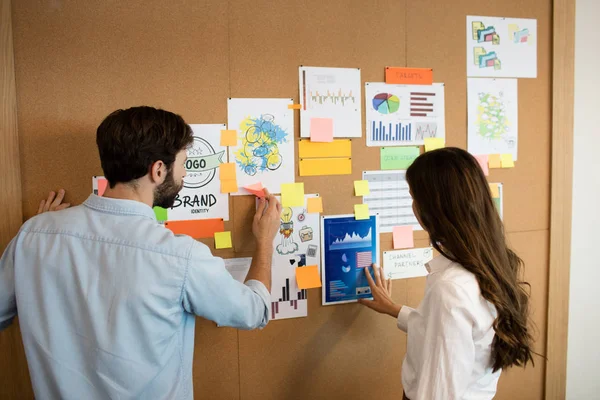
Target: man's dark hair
{"x": 130, "y": 141}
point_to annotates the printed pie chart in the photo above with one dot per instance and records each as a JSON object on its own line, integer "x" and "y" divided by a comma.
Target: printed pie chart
{"x": 386, "y": 103}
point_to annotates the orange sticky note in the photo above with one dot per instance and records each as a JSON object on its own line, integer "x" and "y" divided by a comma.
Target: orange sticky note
{"x": 483, "y": 162}
{"x": 308, "y": 277}
{"x": 314, "y": 205}
{"x": 403, "y": 237}
{"x": 102, "y": 184}
{"x": 494, "y": 161}
{"x": 434, "y": 143}
{"x": 223, "y": 240}
{"x": 495, "y": 190}
{"x": 361, "y": 188}
{"x": 409, "y": 76}
{"x": 256, "y": 189}
{"x": 292, "y": 194}
{"x": 361, "y": 211}
{"x": 198, "y": 229}
{"x": 294, "y": 106}
{"x": 506, "y": 160}
{"x": 321, "y": 129}
{"x": 229, "y": 186}
{"x": 228, "y": 138}
{"x": 227, "y": 171}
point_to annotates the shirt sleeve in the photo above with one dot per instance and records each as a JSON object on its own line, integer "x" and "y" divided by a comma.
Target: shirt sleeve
{"x": 210, "y": 291}
{"x": 8, "y": 302}
{"x": 449, "y": 351}
{"x": 403, "y": 318}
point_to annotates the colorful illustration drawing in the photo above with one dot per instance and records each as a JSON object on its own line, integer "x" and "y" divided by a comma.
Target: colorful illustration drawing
{"x": 518, "y": 36}
{"x": 261, "y": 138}
{"x": 492, "y": 122}
{"x": 286, "y": 230}
{"x": 484, "y": 59}
{"x": 483, "y": 34}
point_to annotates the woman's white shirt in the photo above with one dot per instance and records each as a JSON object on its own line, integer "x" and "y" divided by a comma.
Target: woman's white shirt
{"x": 450, "y": 336}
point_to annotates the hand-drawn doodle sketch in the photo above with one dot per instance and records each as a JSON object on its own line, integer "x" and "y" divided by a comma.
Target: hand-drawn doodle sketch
{"x": 265, "y": 147}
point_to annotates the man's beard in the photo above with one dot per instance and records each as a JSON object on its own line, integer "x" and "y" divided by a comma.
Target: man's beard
{"x": 166, "y": 192}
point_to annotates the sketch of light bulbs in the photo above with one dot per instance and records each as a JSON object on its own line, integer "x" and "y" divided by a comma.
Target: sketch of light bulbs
{"x": 286, "y": 229}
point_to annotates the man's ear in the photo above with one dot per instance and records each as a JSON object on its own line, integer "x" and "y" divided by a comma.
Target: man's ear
{"x": 158, "y": 172}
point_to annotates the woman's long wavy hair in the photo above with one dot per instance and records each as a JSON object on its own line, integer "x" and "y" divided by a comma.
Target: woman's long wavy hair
{"x": 454, "y": 204}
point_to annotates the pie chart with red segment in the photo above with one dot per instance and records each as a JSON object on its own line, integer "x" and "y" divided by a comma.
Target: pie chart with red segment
{"x": 386, "y": 103}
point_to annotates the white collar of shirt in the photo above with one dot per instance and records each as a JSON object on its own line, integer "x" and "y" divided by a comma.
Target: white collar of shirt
{"x": 119, "y": 206}
{"x": 439, "y": 263}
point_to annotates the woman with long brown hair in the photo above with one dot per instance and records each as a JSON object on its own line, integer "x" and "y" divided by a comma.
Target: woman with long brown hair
{"x": 474, "y": 318}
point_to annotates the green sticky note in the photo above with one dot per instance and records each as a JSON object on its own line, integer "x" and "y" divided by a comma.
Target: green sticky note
{"x": 398, "y": 157}
{"x": 161, "y": 214}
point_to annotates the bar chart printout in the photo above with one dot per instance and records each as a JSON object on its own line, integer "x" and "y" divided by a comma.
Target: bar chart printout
{"x": 390, "y": 198}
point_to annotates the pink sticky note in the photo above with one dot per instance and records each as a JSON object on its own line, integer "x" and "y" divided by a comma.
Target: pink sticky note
{"x": 102, "y": 183}
{"x": 403, "y": 237}
{"x": 256, "y": 189}
{"x": 483, "y": 161}
{"x": 321, "y": 130}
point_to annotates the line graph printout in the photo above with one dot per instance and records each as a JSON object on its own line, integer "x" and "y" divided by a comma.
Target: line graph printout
{"x": 390, "y": 198}
{"x": 404, "y": 115}
{"x": 332, "y": 93}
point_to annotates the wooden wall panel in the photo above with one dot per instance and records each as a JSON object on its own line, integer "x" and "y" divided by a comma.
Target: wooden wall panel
{"x": 14, "y": 375}
{"x": 76, "y": 62}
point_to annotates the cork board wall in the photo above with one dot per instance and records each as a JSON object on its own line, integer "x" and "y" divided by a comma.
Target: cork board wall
{"x": 78, "y": 61}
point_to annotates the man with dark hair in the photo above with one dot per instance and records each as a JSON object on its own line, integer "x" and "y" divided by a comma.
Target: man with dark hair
{"x": 106, "y": 296}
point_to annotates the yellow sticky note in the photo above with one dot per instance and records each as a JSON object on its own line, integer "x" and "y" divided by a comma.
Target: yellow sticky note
{"x": 361, "y": 188}
{"x": 325, "y": 166}
{"x": 229, "y": 186}
{"x": 314, "y": 205}
{"x": 294, "y": 106}
{"x": 227, "y": 171}
{"x": 308, "y": 277}
{"x": 361, "y": 211}
{"x": 228, "y": 138}
{"x": 507, "y": 160}
{"x": 337, "y": 148}
{"x": 292, "y": 194}
{"x": 223, "y": 240}
{"x": 433, "y": 143}
{"x": 494, "y": 161}
{"x": 495, "y": 190}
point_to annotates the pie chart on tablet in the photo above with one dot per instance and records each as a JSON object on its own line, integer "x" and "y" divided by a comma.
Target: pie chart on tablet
{"x": 386, "y": 103}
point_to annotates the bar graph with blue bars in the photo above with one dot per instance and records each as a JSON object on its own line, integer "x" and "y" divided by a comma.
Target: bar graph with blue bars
{"x": 391, "y": 132}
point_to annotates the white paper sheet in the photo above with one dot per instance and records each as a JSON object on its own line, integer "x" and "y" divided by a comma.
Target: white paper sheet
{"x": 402, "y": 264}
{"x": 265, "y": 148}
{"x": 501, "y": 47}
{"x": 331, "y": 93}
{"x": 201, "y": 196}
{"x": 390, "y": 198}
{"x": 492, "y": 116}
{"x": 238, "y": 267}
{"x": 296, "y": 245}
{"x": 403, "y": 115}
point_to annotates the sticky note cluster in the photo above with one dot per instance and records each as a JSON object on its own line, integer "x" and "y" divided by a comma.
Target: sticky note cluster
{"x": 500, "y": 161}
